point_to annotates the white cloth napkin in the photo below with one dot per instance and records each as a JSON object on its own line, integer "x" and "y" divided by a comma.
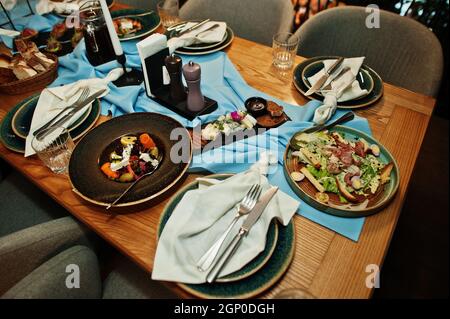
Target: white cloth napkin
{"x": 8, "y": 4}
{"x": 346, "y": 88}
{"x": 198, "y": 36}
{"x": 9, "y": 33}
{"x": 53, "y": 100}
{"x": 47, "y": 6}
{"x": 203, "y": 215}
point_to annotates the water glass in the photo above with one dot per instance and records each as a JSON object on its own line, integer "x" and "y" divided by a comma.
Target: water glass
{"x": 168, "y": 11}
{"x": 54, "y": 147}
{"x": 285, "y": 46}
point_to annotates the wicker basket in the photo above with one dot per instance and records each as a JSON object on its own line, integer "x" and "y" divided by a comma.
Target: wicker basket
{"x": 36, "y": 82}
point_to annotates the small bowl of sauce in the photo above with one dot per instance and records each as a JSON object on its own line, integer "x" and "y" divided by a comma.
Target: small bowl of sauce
{"x": 256, "y": 106}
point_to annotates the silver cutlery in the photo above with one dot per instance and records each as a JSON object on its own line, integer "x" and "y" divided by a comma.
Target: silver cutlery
{"x": 159, "y": 159}
{"x": 343, "y": 119}
{"x": 328, "y": 87}
{"x": 69, "y": 115}
{"x": 245, "y": 206}
{"x": 214, "y": 26}
{"x": 84, "y": 94}
{"x": 318, "y": 85}
{"x": 251, "y": 219}
{"x": 196, "y": 26}
{"x": 177, "y": 27}
{"x": 135, "y": 15}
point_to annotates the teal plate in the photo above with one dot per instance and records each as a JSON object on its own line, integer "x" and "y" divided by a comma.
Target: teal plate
{"x": 306, "y": 191}
{"x": 17, "y": 144}
{"x": 21, "y": 121}
{"x": 150, "y": 22}
{"x": 375, "y": 94}
{"x": 258, "y": 275}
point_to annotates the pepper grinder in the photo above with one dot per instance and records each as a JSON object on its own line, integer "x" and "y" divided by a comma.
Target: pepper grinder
{"x": 195, "y": 99}
{"x": 173, "y": 65}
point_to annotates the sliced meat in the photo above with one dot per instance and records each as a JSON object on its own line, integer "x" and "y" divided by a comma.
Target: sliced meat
{"x": 347, "y": 178}
{"x": 333, "y": 168}
{"x": 359, "y": 149}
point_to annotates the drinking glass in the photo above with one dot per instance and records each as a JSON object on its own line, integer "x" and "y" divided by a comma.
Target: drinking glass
{"x": 168, "y": 12}
{"x": 284, "y": 50}
{"x": 54, "y": 147}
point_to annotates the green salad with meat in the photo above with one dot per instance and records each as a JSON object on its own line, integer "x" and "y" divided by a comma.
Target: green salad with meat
{"x": 351, "y": 169}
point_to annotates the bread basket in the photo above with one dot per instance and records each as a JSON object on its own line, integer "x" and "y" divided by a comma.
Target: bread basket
{"x": 35, "y": 82}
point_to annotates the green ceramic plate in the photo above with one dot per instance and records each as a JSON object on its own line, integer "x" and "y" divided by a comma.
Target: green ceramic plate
{"x": 302, "y": 86}
{"x": 21, "y": 120}
{"x": 255, "y": 277}
{"x": 363, "y": 77}
{"x": 306, "y": 191}
{"x": 150, "y": 22}
{"x": 15, "y": 143}
{"x": 209, "y": 49}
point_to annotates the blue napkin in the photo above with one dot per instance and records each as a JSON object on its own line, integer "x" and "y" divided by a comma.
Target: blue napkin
{"x": 223, "y": 83}
{"x": 37, "y": 22}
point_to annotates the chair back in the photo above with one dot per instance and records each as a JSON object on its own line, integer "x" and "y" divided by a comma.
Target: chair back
{"x": 401, "y": 50}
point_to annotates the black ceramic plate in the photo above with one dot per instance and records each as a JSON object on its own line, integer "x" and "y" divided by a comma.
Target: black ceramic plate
{"x": 150, "y": 22}
{"x": 222, "y": 45}
{"x": 15, "y": 143}
{"x": 372, "y": 97}
{"x": 21, "y": 121}
{"x": 92, "y": 185}
{"x": 258, "y": 275}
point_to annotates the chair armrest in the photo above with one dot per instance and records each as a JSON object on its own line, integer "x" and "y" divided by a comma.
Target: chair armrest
{"x": 27, "y": 249}
{"x": 49, "y": 281}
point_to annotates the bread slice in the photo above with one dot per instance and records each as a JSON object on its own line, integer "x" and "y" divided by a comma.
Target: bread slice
{"x": 274, "y": 109}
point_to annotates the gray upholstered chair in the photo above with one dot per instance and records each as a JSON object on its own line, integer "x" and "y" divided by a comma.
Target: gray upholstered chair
{"x": 23, "y": 204}
{"x": 404, "y": 52}
{"x": 253, "y": 20}
{"x": 33, "y": 265}
{"x": 141, "y": 4}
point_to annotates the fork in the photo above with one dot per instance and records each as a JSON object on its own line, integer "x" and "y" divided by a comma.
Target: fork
{"x": 159, "y": 159}
{"x": 84, "y": 94}
{"x": 245, "y": 206}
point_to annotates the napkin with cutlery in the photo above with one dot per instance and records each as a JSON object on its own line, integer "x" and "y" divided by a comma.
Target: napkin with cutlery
{"x": 65, "y": 6}
{"x": 340, "y": 87}
{"x": 53, "y": 100}
{"x": 207, "y": 33}
{"x": 203, "y": 215}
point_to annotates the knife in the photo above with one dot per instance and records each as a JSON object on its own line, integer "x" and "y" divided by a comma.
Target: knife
{"x": 251, "y": 219}
{"x": 192, "y": 28}
{"x": 69, "y": 115}
{"x": 316, "y": 87}
{"x": 343, "y": 119}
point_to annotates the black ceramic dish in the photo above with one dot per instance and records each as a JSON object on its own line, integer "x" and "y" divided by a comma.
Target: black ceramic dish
{"x": 91, "y": 184}
{"x": 256, "y": 106}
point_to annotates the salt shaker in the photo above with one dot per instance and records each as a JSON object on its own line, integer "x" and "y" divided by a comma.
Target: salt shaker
{"x": 173, "y": 65}
{"x": 195, "y": 99}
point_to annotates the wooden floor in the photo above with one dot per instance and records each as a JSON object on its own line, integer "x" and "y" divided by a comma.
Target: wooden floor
{"x": 416, "y": 265}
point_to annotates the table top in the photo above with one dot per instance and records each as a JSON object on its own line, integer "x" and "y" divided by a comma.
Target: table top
{"x": 326, "y": 264}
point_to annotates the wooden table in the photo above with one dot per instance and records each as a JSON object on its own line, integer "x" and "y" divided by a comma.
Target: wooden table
{"x": 326, "y": 264}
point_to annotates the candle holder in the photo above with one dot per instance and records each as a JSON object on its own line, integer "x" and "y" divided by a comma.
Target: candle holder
{"x": 132, "y": 77}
